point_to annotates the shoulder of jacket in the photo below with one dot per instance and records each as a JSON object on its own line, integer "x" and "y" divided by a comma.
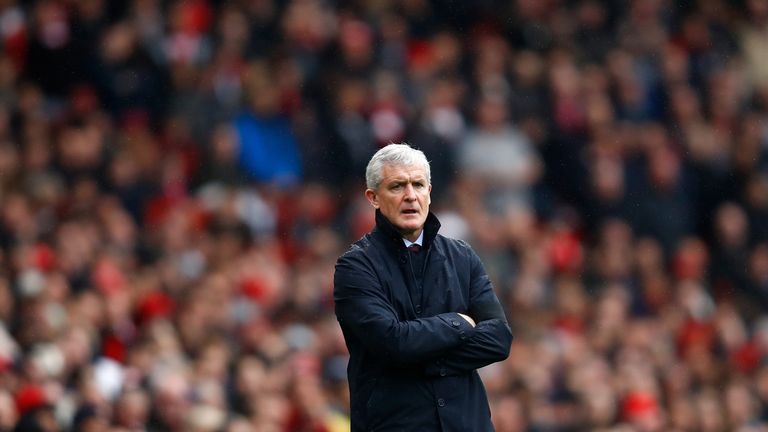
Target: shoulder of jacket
{"x": 358, "y": 248}
{"x": 452, "y": 242}
{"x": 454, "y": 246}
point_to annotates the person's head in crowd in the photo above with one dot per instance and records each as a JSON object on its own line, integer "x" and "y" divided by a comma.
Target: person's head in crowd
{"x": 260, "y": 90}
{"x": 731, "y": 226}
{"x": 758, "y": 266}
{"x": 492, "y": 112}
{"x": 132, "y": 409}
{"x": 90, "y": 418}
{"x": 171, "y": 404}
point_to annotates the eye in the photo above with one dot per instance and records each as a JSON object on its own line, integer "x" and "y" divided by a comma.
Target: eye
{"x": 396, "y": 186}
{"x": 418, "y": 185}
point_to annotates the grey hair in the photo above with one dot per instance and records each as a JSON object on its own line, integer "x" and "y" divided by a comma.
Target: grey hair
{"x": 394, "y": 154}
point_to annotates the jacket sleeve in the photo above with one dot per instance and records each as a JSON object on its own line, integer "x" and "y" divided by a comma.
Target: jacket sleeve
{"x": 492, "y": 337}
{"x": 363, "y": 309}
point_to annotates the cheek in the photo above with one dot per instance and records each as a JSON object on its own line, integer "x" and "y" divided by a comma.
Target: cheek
{"x": 390, "y": 205}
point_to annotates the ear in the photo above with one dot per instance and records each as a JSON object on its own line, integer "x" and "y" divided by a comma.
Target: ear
{"x": 429, "y": 194}
{"x": 370, "y": 194}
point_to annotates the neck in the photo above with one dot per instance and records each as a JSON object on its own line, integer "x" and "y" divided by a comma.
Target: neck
{"x": 413, "y": 236}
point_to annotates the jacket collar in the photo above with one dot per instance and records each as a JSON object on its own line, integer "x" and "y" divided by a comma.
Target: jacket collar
{"x": 389, "y": 234}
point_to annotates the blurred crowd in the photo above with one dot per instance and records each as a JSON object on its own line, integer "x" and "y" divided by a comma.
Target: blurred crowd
{"x": 178, "y": 177}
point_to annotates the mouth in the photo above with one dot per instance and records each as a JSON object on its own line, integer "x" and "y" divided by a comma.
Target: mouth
{"x": 410, "y": 212}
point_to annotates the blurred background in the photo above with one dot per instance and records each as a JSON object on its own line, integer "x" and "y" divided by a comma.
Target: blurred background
{"x": 178, "y": 177}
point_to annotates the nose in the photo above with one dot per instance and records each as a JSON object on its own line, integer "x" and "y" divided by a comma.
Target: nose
{"x": 410, "y": 192}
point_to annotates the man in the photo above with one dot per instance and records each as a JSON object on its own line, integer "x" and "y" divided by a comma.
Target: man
{"x": 417, "y": 323}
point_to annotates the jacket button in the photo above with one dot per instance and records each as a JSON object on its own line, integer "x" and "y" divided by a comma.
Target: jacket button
{"x": 441, "y": 402}
{"x": 443, "y": 372}
{"x": 418, "y": 309}
{"x": 455, "y": 323}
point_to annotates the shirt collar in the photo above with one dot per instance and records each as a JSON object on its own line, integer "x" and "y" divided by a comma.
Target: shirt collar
{"x": 419, "y": 241}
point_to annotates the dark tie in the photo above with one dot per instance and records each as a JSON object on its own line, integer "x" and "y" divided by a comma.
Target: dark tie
{"x": 414, "y": 248}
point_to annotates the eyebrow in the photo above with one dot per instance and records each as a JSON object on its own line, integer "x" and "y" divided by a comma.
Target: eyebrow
{"x": 397, "y": 180}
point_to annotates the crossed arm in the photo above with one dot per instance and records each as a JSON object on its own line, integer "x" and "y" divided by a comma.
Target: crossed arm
{"x": 445, "y": 344}
{"x": 491, "y": 338}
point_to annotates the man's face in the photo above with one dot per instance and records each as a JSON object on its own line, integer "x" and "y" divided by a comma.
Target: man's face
{"x": 403, "y": 198}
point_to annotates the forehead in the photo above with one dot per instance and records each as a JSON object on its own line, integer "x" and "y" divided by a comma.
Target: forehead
{"x": 398, "y": 171}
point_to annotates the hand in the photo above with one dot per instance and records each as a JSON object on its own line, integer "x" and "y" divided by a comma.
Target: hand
{"x": 468, "y": 318}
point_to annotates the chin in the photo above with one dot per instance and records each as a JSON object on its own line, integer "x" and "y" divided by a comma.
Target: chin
{"x": 410, "y": 226}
